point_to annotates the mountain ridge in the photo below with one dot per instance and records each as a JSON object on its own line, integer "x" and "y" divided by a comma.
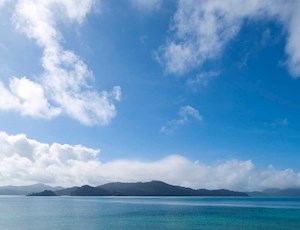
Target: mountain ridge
{"x": 152, "y": 188}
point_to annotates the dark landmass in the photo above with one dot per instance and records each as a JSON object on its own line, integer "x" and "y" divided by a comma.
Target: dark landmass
{"x": 153, "y": 188}
{"x": 66, "y": 191}
{"x": 87, "y": 190}
{"x": 219, "y": 192}
{"x": 158, "y": 188}
{"x": 44, "y": 193}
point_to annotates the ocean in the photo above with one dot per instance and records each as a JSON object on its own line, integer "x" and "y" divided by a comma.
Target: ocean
{"x": 91, "y": 213}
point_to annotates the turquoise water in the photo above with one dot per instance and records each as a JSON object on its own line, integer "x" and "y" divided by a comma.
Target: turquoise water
{"x": 90, "y": 213}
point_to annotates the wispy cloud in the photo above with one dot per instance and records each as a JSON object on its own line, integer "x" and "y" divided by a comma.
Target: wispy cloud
{"x": 202, "y": 29}
{"x": 148, "y": 5}
{"x": 184, "y": 115}
{"x": 24, "y": 160}
{"x": 201, "y": 79}
{"x": 280, "y": 122}
{"x": 63, "y": 87}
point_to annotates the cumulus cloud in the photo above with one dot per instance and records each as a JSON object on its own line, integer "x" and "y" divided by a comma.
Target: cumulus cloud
{"x": 64, "y": 86}
{"x": 26, "y": 97}
{"x": 24, "y": 161}
{"x": 202, "y": 29}
{"x": 184, "y": 115}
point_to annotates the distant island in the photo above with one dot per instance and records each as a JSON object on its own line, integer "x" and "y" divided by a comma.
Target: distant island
{"x": 44, "y": 193}
{"x": 153, "y": 188}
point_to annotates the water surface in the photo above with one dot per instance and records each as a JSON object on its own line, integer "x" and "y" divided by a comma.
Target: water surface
{"x": 91, "y": 213}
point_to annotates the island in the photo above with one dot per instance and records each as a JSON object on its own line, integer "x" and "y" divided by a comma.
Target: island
{"x": 152, "y": 188}
{"x": 43, "y": 193}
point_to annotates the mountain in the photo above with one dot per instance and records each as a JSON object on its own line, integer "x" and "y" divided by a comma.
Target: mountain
{"x": 87, "y": 190}
{"x": 219, "y": 192}
{"x": 24, "y": 190}
{"x": 66, "y": 191}
{"x": 44, "y": 193}
{"x": 153, "y": 188}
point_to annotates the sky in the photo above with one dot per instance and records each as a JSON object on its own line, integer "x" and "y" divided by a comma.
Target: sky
{"x": 198, "y": 93}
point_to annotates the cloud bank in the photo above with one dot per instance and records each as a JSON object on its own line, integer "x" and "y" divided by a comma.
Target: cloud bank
{"x": 64, "y": 86}
{"x": 25, "y": 161}
{"x": 201, "y": 29}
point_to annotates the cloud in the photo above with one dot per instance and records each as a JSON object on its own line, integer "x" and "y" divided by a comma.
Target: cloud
{"x": 201, "y": 29}
{"x": 26, "y": 97}
{"x": 184, "y": 114}
{"x": 2, "y": 2}
{"x": 148, "y": 5}
{"x": 64, "y": 86}
{"x": 25, "y": 161}
{"x": 284, "y": 121}
{"x": 280, "y": 122}
{"x": 201, "y": 79}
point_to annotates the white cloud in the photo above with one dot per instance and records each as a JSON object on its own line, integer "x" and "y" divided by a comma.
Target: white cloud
{"x": 25, "y": 161}
{"x": 148, "y": 5}
{"x": 293, "y": 46}
{"x": 64, "y": 86}
{"x": 184, "y": 114}
{"x": 201, "y": 29}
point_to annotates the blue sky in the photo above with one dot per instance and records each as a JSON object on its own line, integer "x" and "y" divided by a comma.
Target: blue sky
{"x": 155, "y": 85}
